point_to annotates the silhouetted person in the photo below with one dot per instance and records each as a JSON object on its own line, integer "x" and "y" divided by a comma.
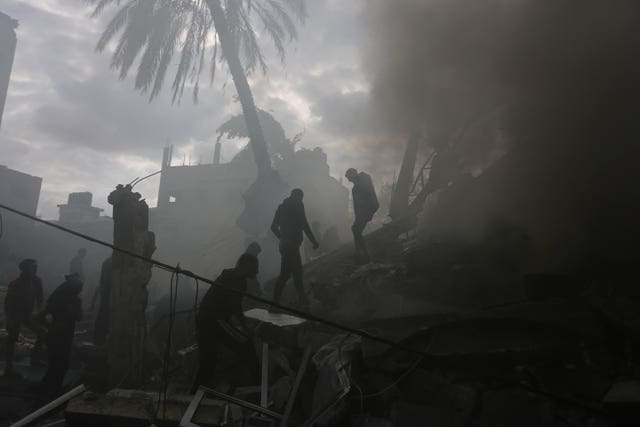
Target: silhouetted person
{"x": 254, "y": 249}
{"x": 365, "y": 205}
{"x": 103, "y": 294}
{"x": 64, "y": 308}
{"x": 289, "y": 222}
{"x": 77, "y": 264}
{"x": 24, "y": 294}
{"x": 219, "y": 312}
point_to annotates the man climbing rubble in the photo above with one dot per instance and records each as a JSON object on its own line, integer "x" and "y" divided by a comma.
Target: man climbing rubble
{"x": 220, "y": 320}
{"x": 63, "y": 310}
{"x": 365, "y": 205}
{"x": 289, "y": 222}
{"x": 24, "y": 294}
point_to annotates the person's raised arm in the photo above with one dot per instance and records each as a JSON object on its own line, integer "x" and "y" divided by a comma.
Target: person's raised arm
{"x": 307, "y": 230}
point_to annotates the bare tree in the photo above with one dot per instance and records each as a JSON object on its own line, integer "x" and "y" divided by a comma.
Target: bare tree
{"x": 195, "y": 30}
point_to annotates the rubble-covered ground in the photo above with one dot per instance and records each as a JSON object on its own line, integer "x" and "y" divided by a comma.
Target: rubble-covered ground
{"x": 541, "y": 351}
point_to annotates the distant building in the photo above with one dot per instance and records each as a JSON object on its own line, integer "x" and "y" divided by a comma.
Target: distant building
{"x": 197, "y": 205}
{"x": 78, "y": 209}
{"x": 8, "y": 42}
{"x": 19, "y": 190}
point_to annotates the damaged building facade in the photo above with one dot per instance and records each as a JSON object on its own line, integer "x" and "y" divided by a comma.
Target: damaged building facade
{"x": 198, "y": 206}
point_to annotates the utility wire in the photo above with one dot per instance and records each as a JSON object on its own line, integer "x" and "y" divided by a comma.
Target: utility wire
{"x": 177, "y": 270}
{"x": 187, "y": 273}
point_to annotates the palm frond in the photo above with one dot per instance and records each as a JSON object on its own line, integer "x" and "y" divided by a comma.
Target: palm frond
{"x": 100, "y": 5}
{"x": 115, "y": 25}
{"x": 156, "y": 30}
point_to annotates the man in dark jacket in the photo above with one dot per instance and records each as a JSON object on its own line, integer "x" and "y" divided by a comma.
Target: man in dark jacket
{"x": 365, "y": 204}
{"x": 220, "y": 318}
{"x": 64, "y": 308}
{"x": 289, "y": 222}
{"x": 24, "y": 294}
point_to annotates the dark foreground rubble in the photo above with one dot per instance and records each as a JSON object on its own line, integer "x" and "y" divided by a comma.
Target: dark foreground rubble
{"x": 532, "y": 358}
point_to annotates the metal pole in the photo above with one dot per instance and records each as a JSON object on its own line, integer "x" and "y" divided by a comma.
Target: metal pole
{"x": 296, "y": 385}
{"x": 264, "y": 385}
{"x": 191, "y": 410}
{"x": 241, "y": 402}
{"x": 49, "y": 407}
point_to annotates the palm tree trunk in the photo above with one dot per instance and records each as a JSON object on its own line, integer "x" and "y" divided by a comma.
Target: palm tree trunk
{"x": 230, "y": 52}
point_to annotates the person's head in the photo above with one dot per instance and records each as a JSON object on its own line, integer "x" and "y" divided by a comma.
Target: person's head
{"x": 254, "y": 249}
{"x": 351, "y": 174}
{"x": 73, "y": 283}
{"x": 297, "y": 194}
{"x": 28, "y": 267}
{"x": 247, "y": 266}
{"x": 82, "y": 252}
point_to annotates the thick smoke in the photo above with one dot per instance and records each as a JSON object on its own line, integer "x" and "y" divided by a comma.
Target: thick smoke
{"x": 558, "y": 80}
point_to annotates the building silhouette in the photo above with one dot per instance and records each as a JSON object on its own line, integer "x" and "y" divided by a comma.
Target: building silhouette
{"x": 78, "y": 209}
{"x": 8, "y": 42}
{"x": 19, "y": 190}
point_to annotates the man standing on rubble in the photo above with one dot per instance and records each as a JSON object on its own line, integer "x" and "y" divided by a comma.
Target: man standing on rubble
{"x": 365, "y": 204}
{"x": 24, "y": 294}
{"x": 220, "y": 320}
{"x": 63, "y": 310}
{"x": 289, "y": 222}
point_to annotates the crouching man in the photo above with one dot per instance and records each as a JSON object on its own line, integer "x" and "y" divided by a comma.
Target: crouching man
{"x": 220, "y": 320}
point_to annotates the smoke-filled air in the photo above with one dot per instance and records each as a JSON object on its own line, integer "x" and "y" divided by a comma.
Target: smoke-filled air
{"x": 319, "y": 212}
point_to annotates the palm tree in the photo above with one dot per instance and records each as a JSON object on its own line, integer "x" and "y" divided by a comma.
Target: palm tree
{"x": 196, "y": 29}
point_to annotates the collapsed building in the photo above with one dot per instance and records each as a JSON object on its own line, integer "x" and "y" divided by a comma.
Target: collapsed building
{"x": 209, "y": 197}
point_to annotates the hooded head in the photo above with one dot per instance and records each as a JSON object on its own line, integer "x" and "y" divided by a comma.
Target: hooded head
{"x": 73, "y": 283}
{"x": 247, "y": 266}
{"x": 28, "y": 267}
{"x": 351, "y": 174}
{"x": 254, "y": 249}
{"x": 297, "y": 195}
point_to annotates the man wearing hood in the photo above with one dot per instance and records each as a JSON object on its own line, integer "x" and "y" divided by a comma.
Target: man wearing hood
{"x": 23, "y": 296}
{"x": 63, "y": 310}
{"x": 219, "y": 315}
{"x": 289, "y": 222}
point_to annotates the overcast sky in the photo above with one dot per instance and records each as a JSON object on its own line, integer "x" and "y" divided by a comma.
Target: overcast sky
{"x": 70, "y": 120}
